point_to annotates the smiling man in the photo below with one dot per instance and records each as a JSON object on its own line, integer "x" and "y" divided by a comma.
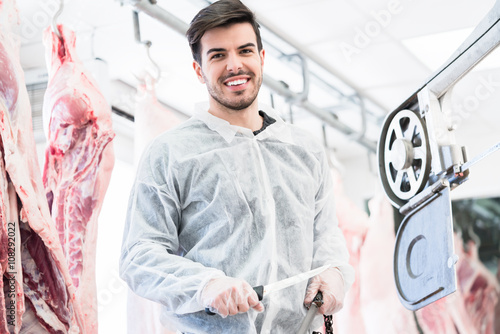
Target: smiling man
{"x": 231, "y": 67}
{"x": 233, "y": 198}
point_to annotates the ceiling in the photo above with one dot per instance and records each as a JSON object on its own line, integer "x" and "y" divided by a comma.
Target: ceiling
{"x": 384, "y": 50}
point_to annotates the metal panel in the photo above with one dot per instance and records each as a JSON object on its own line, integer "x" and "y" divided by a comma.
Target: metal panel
{"x": 424, "y": 260}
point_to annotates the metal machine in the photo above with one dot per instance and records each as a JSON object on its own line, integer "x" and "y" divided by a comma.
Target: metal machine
{"x": 420, "y": 163}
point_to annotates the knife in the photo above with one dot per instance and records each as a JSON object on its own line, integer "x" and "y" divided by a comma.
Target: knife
{"x": 262, "y": 290}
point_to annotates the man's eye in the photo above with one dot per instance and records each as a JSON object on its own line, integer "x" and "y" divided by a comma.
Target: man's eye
{"x": 246, "y": 51}
{"x": 217, "y": 55}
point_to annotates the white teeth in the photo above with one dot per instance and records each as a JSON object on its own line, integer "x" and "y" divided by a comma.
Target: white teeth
{"x": 236, "y": 82}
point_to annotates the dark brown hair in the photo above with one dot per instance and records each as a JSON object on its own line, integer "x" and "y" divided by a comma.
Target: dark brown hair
{"x": 220, "y": 13}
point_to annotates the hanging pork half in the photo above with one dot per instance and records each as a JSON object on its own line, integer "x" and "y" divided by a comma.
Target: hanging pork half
{"x": 380, "y": 306}
{"x": 78, "y": 162}
{"x": 37, "y": 289}
{"x": 354, "y": 223}
{"x": 151, "y": 119}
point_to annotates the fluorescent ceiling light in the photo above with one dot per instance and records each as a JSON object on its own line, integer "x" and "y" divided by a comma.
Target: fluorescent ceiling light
{"x": 435, "y": 49}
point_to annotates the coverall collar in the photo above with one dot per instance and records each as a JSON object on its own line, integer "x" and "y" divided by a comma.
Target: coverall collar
{"x": 278, "y": 130}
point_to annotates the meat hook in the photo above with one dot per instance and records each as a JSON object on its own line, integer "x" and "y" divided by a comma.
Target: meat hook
{"x": 145, "y": 43}
{"x": 54, "y": 19}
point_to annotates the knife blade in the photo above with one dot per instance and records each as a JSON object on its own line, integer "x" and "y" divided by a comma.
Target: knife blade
{"x": 262, "y": 290}
{"x": 285, "y": 283}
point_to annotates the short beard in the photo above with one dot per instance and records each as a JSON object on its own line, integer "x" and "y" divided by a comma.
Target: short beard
{"x": 234, "y": 105}
{"x": 237, "y": 105}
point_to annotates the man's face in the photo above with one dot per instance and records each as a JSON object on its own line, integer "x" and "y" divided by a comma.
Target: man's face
{"x": 231, "y": 65}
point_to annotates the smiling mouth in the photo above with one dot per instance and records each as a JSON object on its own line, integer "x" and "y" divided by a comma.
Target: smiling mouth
{"x": 236, "y": 82}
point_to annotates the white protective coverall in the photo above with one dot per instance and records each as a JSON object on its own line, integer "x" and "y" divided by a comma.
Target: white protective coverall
{"x": 212, "y": 199}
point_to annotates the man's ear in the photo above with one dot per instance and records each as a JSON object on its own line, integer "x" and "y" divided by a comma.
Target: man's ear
{"x": 197, "y": 70}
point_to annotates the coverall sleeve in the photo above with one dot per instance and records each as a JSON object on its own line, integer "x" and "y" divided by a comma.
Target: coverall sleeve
{"x": 329, "y": 242}
{"x": 149, "y": 262}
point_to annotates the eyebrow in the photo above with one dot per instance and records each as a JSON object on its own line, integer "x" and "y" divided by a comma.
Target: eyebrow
{"x": 244, "y": 46}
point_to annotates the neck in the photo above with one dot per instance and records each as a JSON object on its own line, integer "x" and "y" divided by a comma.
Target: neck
{"x": 247, "y": 118}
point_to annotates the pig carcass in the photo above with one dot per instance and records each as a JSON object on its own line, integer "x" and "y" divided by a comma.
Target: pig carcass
{"x": 478, "y": 287}
{"x": 382, "y": 311}
{"x": 78, "y": 162}
{"x": 354, "y": 223}
{"x": 438, "y": 317}
{"x": 11, "y": 308}
{"x": 35, "y": 271}
{"x": 151, "y": 119}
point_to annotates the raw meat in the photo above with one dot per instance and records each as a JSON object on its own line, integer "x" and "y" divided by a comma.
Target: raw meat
{"x": 78, "y": 162}
{"x": 24, "y": 203}
{"x": 44, "y": 286}
{"x": 382, "y": 311}
{"x": 478, "y": 287}
{"x": 12, "y": 287}
{"x": 151, "y": 119}
{"x": 14, "y": 301}
{"x": 3, "y": 259}
{"x": 471, "y": 309}
{"x": 11, "y": 307}
{"x": 353, "y": 222}
{"x": 437, "y": 317}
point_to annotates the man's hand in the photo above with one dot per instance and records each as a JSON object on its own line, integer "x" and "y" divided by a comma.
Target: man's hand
{"x": 331, "y": 284}
{"x": 230, "y": 296}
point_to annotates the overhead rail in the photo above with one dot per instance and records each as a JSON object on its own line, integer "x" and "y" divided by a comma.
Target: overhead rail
{"x": 300, "y": 99}
{"x": 325, "y": 116}
{"x": 481, "y": 42}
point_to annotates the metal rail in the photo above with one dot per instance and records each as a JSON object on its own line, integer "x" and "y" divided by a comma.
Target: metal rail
{"x": 484, "y": 39}
{"x": 322, "y": 114}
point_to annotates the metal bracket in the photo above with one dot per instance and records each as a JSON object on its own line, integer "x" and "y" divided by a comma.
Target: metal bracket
{"x": 446, "y": 155}
{"x": 147, "y": 44}
{"x": 424, "y": 196}
{"x": 302, "y": 96}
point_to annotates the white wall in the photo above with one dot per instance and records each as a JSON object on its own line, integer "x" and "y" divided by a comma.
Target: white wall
{"x": 111, "y": 290}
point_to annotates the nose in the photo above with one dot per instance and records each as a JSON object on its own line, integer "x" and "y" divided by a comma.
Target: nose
{"x": 234, "y": 63}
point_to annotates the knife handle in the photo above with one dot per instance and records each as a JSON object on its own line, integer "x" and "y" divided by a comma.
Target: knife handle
{"x": 258, "y": 289}
{"x": 207, "y": 311}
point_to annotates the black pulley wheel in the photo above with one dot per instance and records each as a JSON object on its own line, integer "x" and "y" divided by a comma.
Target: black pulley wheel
{"x": 404, "y": 156}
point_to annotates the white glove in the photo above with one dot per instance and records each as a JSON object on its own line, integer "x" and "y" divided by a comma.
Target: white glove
{"x": 230, "y": 296}
{"x": 331, "y": 284}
